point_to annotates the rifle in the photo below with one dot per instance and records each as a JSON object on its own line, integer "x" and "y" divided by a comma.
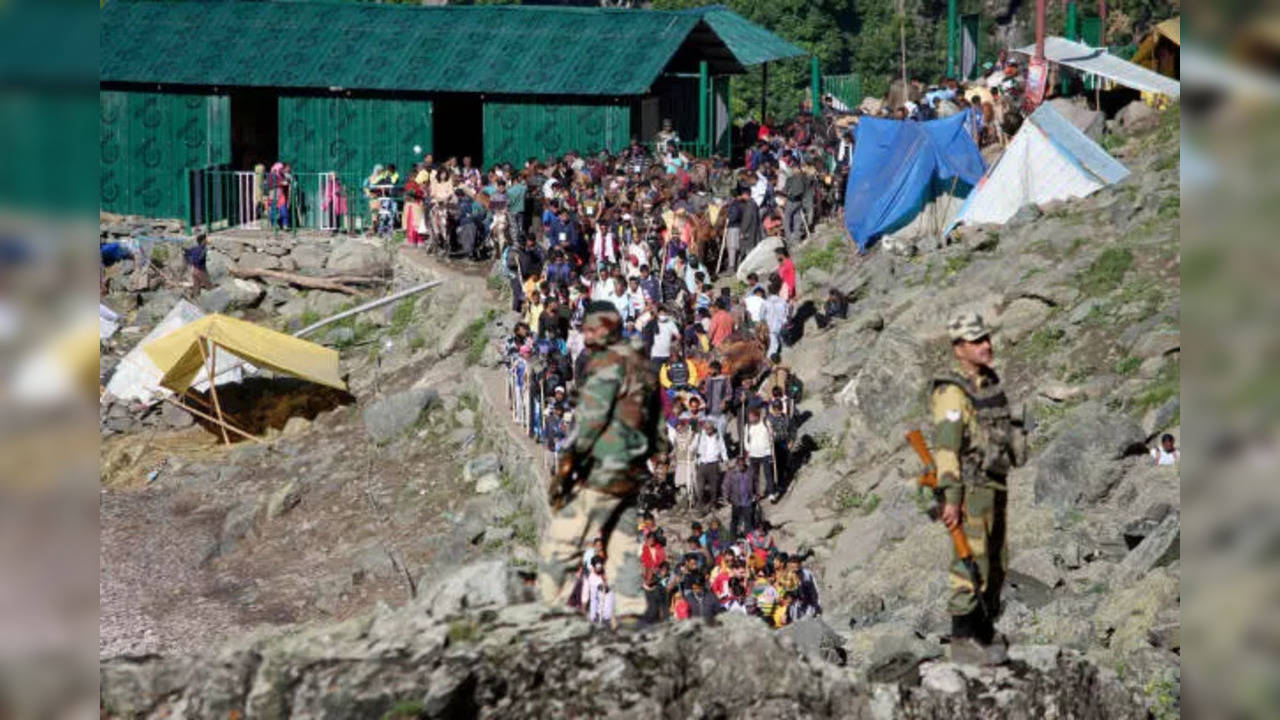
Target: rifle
{"x": 929, "y": 479}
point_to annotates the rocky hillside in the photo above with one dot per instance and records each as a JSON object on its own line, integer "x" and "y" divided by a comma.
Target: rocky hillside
{"x": 1085, "y": 297}
{"x": 260, "y": 581}
{"x": 493, "y": 659}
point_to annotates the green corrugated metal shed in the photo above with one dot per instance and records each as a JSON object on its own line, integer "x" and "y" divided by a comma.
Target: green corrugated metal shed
{"x": 749, "y": 43}
{"x": 148, "y": 140}
{"x": 510, "y": 49}
{"x": 514, "y": 132}
{"x": 350, "y": 135}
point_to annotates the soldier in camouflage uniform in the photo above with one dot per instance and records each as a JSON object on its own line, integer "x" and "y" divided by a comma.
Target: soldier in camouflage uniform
{"x": 596, "y": 486}
{"x": 975, "y": 445}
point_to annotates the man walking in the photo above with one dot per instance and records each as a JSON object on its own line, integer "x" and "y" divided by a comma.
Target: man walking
{"x": 711, "y": 453}
{"x": 740, "y": 490}
{"x": 595, "y": 488}
{"x": 974, "y": 448}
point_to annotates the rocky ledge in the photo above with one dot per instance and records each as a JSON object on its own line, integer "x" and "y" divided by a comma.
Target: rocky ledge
{"x": 477, "y": 647}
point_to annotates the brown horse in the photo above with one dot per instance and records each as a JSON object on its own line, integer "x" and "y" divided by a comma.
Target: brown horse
{"x": 705, "y": 245}
{"x": 743, "y": 354}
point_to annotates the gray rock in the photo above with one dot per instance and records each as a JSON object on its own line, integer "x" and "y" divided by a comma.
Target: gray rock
{"x": 465, "y": 418}
{"x": 488, "y": 483}
{"x": 326, "y": 304}
{"x": 1022, "y": 317}
{"x": 387, "y": 418}
{"x": 828, "y": 424}
{"x": 1156, "y": 550}
{"x": 1087, "y": 121}
{"x": 814, "y": 639}
{"x": 176, "y": 417}
{"x": 238, "y": 523}
{"x": 284, "y": 499}
{"x": 888, "y": 389}
{"x": 1082, "y": 311}
{"x": 491, "y": 584}
{"x": 231, "y": 294}
{"x": 338, "y": 336}
{"x": 500, "y": 534}
{"x": 295, "y": 426}
{"x": 218, "y": 265}
{"x": 277, "y": 295}
{"x": 486, "y": 464}
{"x": 761, "y": 260}
{"x": 310, "y": 256}
{"x": 1025, "y": 215}
{"x": 1035, "y": 566}
{"x": 1158, "y": 343}
{"x": 1078, "y": 467}
{"x": 1161, "y": 418}
{"x": 258, "y": 261}
{"x": 896, "y": 657}
{"x": 356, "y": 257}
{"x": 1137, "y": 116}
{"x": 525, "y": 660}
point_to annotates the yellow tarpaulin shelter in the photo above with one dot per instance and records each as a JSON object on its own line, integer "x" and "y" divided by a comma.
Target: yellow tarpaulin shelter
{"x": 1164, "y": 63}
{"x": 181, "y": 355}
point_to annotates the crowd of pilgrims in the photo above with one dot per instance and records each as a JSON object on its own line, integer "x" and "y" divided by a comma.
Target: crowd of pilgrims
{"x": 632, "y": 230}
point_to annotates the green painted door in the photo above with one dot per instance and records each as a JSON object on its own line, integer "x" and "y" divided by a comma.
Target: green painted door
{"x": 147, "y": 142}
{"x": 515, "y": 132}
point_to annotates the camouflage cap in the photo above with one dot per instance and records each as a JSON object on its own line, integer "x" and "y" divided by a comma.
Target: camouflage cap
{"x": 967, "y": 326}
{"x": 603, "y": 314}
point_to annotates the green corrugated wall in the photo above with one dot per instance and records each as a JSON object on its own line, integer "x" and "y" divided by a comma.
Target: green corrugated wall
{"x": 349, "y": 136}
{"x": 514, "y": 132}
{"x": 147, "y": 141}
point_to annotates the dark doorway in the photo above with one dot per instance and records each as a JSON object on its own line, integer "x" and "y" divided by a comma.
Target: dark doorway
{"x": 458, "y": 128}
{"x": 255, "y": 129}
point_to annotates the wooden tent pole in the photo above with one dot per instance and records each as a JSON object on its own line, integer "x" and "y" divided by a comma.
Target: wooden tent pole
{"x": 210, "y": 359}
{"x": 213, "y": 419}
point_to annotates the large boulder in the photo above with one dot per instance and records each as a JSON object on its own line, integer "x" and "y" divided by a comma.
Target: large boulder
{"x": 388, "y": 418}
{"x": 1080, "y": 466}
{"x": 761, "y": 260}
{"x": 890, "y": 387}
{"x": 258, "y": 261}
{"x": 1138, "y": 117}
{"x": 218, "y": 265}
{"x": 231, "y": 294}
{"x": 357, "y": 257}
{"x": 1089, "y": 122}
{"x": 489, "y": 584}
{"x": 309, "y": 256}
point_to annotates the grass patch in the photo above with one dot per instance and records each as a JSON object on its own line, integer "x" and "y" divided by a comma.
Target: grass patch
{"x": 1165, "y": 385}
{"x": 406, "y": 710}
{"x": 959, "y": 262}
{"x": 1041, "y": 344}
{"x": 1128, "y": 366}
{"x": 498, "y": 285}
{"x": 308, "y": 317}
{"x": 1165, "y": 697}
{"x": 849, "y": 499}
{"x": 1112, "y": 142}
{"x": 160, "y": 255}
{"x": 526, "y": 529}
{"x": 402, "y": 316}
{"x": 823, "y": 258}
{"x": 1106, "y": 271}
{"x": 1170, "y": 207}
{"x": 417, "y": 342}
{"x": 476, "y": 336}
{"x": 463, "y": 631}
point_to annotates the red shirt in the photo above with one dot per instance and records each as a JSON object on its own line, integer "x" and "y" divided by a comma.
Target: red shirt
{"x": 787, "y": 272}
{"x": 721, "y": 326}
{"x": 651, "y": 556}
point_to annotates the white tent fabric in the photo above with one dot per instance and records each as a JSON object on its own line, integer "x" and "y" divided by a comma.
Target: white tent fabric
{"x": 1100, "y": 62}
{"x": 138, "y": 379}
{"x": 1049, "y": 159}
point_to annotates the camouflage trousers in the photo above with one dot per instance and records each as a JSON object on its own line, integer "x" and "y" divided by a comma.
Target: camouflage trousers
{"x": 589, "y": 515}
{"x": 984, "y": 526}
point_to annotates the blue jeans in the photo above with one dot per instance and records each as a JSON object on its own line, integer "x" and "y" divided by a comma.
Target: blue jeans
{"x": 280, "y": 216}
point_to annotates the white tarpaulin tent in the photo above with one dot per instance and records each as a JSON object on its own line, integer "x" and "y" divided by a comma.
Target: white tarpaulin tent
{"x": 1049, "y": 159}
{"x": 137, "y": 378}
{"x": 1100, "y": 62}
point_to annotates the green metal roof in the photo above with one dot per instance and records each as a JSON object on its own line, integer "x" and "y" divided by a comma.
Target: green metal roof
{"x": 508, "y": 49}
{"x": 749, "y": 43}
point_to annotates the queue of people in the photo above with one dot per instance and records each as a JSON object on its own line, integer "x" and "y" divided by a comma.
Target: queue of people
{"x": 655, "y": 237}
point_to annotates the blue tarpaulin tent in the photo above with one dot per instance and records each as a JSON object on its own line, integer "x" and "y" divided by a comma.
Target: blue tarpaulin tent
{"x": 899, "y": 166}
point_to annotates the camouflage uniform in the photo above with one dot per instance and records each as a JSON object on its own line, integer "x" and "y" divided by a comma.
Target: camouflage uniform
{"x": 618, "y": 429}
{"x": 974, "y": 448}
